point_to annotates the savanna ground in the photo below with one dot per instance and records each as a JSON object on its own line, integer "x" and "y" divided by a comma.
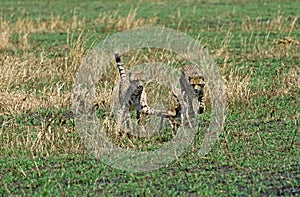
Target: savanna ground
{"x": 254, "y": 43}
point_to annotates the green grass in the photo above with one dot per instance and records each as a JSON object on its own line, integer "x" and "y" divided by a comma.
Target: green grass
{"x": 257, "y": 154}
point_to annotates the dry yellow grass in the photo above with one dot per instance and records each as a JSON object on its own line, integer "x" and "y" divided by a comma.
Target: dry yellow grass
{"x": 114, "y": 21}
{"x": 18, "y": 70}
{"x": 29, "y": 72}
{"x": 31, "y": 82}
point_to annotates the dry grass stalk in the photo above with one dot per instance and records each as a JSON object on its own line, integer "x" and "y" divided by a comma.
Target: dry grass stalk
{"x": 290, "y": 83}
{"x": 279, "y": 23}
{"x": 237, "y": 88}
{"x": 114, "y": 21}
{"x": 29, "y": 83}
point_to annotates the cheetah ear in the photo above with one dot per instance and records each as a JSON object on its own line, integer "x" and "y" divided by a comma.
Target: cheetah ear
{"x": 202, "y": 77}
{"x": 190, "y": 78}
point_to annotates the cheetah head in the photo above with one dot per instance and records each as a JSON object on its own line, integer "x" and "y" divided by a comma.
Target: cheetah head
{"x": 197, "y": 83}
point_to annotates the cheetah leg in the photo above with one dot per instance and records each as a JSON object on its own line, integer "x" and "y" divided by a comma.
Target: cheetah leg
{"x": 176, "y": 119}
{"x": 119, "y": 121}
{"x": 146, "y": 110}
{"x": 161, "y": 123}
{"x": 128, "y": 122}
{"x": 123, "y": 120}
{"x": 191, "y": 112}
{"x": 201, "y": 105}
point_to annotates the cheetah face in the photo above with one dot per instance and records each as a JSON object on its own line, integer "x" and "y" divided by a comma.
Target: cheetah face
{"x": 197, "y": 83}
{"x": 137, "y": 80}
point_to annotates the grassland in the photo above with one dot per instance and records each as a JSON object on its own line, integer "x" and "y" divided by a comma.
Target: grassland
{"x": 256, "y": 45}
